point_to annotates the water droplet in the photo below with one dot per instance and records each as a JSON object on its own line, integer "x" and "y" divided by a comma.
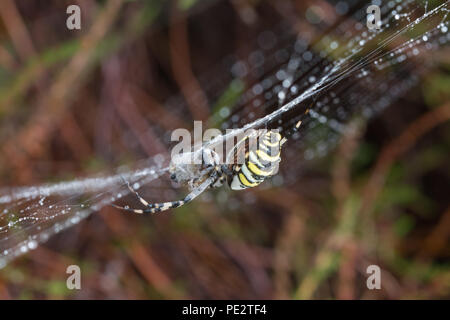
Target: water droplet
{"x": 32, "y": 245}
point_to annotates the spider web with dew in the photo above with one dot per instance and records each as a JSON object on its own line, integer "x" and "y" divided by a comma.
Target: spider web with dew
{"x": 31, "y": 215}
{"x": 340, "y": 72}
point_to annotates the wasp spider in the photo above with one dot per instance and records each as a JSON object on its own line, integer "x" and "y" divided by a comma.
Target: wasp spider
{"x": 257, "y": 165}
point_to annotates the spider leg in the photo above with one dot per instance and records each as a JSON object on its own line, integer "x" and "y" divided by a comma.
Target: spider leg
{"x": 218, "y": 175}
{"x": 226, "y": 171}
{"x": 142, "y": 200}
{"x": 163, "y": 206}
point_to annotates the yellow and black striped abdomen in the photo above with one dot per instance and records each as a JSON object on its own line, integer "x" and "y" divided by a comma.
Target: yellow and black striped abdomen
{"x": 259, "y": 164}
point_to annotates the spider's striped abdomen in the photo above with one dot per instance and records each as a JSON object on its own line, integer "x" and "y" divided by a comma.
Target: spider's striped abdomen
{"x": 259, "y": 164}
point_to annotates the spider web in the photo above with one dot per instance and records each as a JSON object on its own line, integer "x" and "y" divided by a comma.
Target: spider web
{"x": 331, "y": 72}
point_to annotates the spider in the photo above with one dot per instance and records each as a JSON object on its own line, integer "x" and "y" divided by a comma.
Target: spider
{"x": 257, "y": 165}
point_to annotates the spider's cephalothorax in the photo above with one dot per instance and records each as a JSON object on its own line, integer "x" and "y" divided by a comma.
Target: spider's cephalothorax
{"x": 258, "y": 162}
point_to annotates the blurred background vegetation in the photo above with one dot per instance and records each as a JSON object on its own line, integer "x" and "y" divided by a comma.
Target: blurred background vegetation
{"x": 75, "y": 103}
